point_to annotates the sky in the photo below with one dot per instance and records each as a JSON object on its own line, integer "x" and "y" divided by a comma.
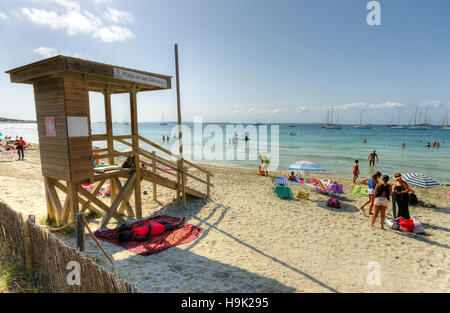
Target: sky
{"x": 244, "y": 61}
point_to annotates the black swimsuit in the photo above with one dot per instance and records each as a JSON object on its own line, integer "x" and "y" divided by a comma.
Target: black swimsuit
{"x": 402, "y": 200}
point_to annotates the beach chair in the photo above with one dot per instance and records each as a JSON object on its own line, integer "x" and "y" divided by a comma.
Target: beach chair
{"x": 280, "y": 181}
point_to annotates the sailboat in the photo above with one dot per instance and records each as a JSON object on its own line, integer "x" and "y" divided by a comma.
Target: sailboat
{"x": 396, "y": 126}
{"x": 422, "y": 126}
{"x": 445, "y": 125}
{"x": 329, "y": 124}
{"x": 162, "y": 121}
{"x": 361, "y": 125}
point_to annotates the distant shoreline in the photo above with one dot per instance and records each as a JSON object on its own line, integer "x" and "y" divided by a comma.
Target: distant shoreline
{"x": 14, "y": 121}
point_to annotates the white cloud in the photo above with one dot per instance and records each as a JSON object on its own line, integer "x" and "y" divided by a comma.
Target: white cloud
{"x": 387, "y": 105}
{"x": 265, "y": 111}
{"x": 352, "y": 106}
{"x": 100, "y": 2}
{"x": 113, "y": 33}
{"x": 46, "y": 52}
{"x": 3, "y": 16}
{"x": 115, "y": 16}
{"x": 302, "y": 109}
{"x": 68, "y": 15}
{"x": 433, "y": 104}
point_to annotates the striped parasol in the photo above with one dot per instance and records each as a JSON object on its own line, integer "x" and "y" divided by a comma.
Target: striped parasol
{"x": 306, "y": 166}
{"x": 421, "y": 180}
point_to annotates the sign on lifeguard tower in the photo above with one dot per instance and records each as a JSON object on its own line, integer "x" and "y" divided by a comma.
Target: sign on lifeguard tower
{"x": 50, "y": 126}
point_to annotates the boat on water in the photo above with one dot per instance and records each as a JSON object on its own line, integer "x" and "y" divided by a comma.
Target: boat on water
{"x": 445, "y": 125}
{"x": 425, "y": 125}
{"x": 292, "y": 125}
{"x": 329, "y": 124}
{"x": 361, "y": 125}
{"x": 396, "y": 126}
{"x": 162, "y": 121}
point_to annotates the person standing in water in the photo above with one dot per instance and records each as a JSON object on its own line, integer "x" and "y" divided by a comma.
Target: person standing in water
{"x": 372, "y": 158}
{"x": 355, "y": 171}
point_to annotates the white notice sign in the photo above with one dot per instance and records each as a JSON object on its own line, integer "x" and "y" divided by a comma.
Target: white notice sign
{"x": 77, "y": 126}
{"x": 140, "y": 78}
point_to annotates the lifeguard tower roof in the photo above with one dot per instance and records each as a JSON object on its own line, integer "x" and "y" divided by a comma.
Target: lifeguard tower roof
{"x": 95, "y": 74}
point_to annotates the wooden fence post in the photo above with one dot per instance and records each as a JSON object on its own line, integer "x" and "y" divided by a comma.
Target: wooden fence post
{"x": 28, "y": 244}
{"x": 80, "y": 232}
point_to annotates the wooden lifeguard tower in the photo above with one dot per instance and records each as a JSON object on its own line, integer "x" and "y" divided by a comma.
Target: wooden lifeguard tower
{"x": 61, "y": 90}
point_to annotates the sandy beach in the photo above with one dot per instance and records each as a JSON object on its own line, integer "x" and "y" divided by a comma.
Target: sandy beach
{"x": 255, "y": 242}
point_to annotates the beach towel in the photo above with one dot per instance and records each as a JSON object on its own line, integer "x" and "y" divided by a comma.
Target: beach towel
{"x": 360, "y": 190}
{"x": 296, "y": 181}
{"x": 283, "y": 192}
{"x": 155, "y": 244}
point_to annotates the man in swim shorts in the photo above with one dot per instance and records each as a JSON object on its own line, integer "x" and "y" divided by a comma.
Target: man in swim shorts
{"x": 143, "y": 233}
{"x": 372, "y": 157}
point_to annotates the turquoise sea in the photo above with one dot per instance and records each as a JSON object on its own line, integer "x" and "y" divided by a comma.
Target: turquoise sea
{"x": 334, "y": 149}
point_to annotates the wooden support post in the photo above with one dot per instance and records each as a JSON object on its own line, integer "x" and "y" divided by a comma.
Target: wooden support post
{"x": 180, "y": 177}
{"x": 54, "y": 198}
{"x": 154, "y": 172}
{"x": 125, "y": 202}
{"x": 28, "y": 244}
{"x": 74, "y": 202}
{"x": 178, "y": 182}
{"x": 121, "y": 196}
{"x": 135, "y": 134}
{"x": 80, "y": 231}
{"x": 51, "y": 210}
{"x": 109, "y": 133}
{"x": 183, "y": 183}
{"x": 208, "y": 187}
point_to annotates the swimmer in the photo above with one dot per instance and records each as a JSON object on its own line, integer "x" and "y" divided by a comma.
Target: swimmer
{"x": 364, "y": 140}
{"x": 403, "y": 145}
{"x": 372, "y": 158}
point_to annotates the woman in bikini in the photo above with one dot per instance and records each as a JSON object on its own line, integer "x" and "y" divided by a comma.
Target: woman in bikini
{"x": 355, "y": 171}
{"x": 143, "y": 233}
{"x": 372, "y": 183}
{"x": 383, "y": 192}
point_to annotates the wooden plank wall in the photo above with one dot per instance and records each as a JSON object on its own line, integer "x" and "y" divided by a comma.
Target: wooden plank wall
{"x": 49, "y": 101}
{"x": 80, "y": 148}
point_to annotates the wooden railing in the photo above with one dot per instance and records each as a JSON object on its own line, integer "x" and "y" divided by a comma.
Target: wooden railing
{"x": 178, "y": 166}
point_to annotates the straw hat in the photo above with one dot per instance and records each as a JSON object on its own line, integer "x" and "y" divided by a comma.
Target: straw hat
{"x": 397, "y": 176}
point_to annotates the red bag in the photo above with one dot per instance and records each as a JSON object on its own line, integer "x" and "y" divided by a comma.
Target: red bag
{"x": 406, "y": 225}
{"x": 260, "y": 171}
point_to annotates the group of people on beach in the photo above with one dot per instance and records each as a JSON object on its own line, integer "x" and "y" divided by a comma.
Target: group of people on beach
{"x": 19, "y": 144}
{"x": 380, "y": 195}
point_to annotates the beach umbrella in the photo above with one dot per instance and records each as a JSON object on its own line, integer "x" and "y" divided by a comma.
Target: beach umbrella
{"x": 306, "y": 166}
{"x": 421, "y": 180}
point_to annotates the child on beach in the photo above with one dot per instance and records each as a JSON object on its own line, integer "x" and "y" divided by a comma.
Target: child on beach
{"x": 355, "y": 171}
{"x": 128, "y": 233}
{"x": 383, "y": 192}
